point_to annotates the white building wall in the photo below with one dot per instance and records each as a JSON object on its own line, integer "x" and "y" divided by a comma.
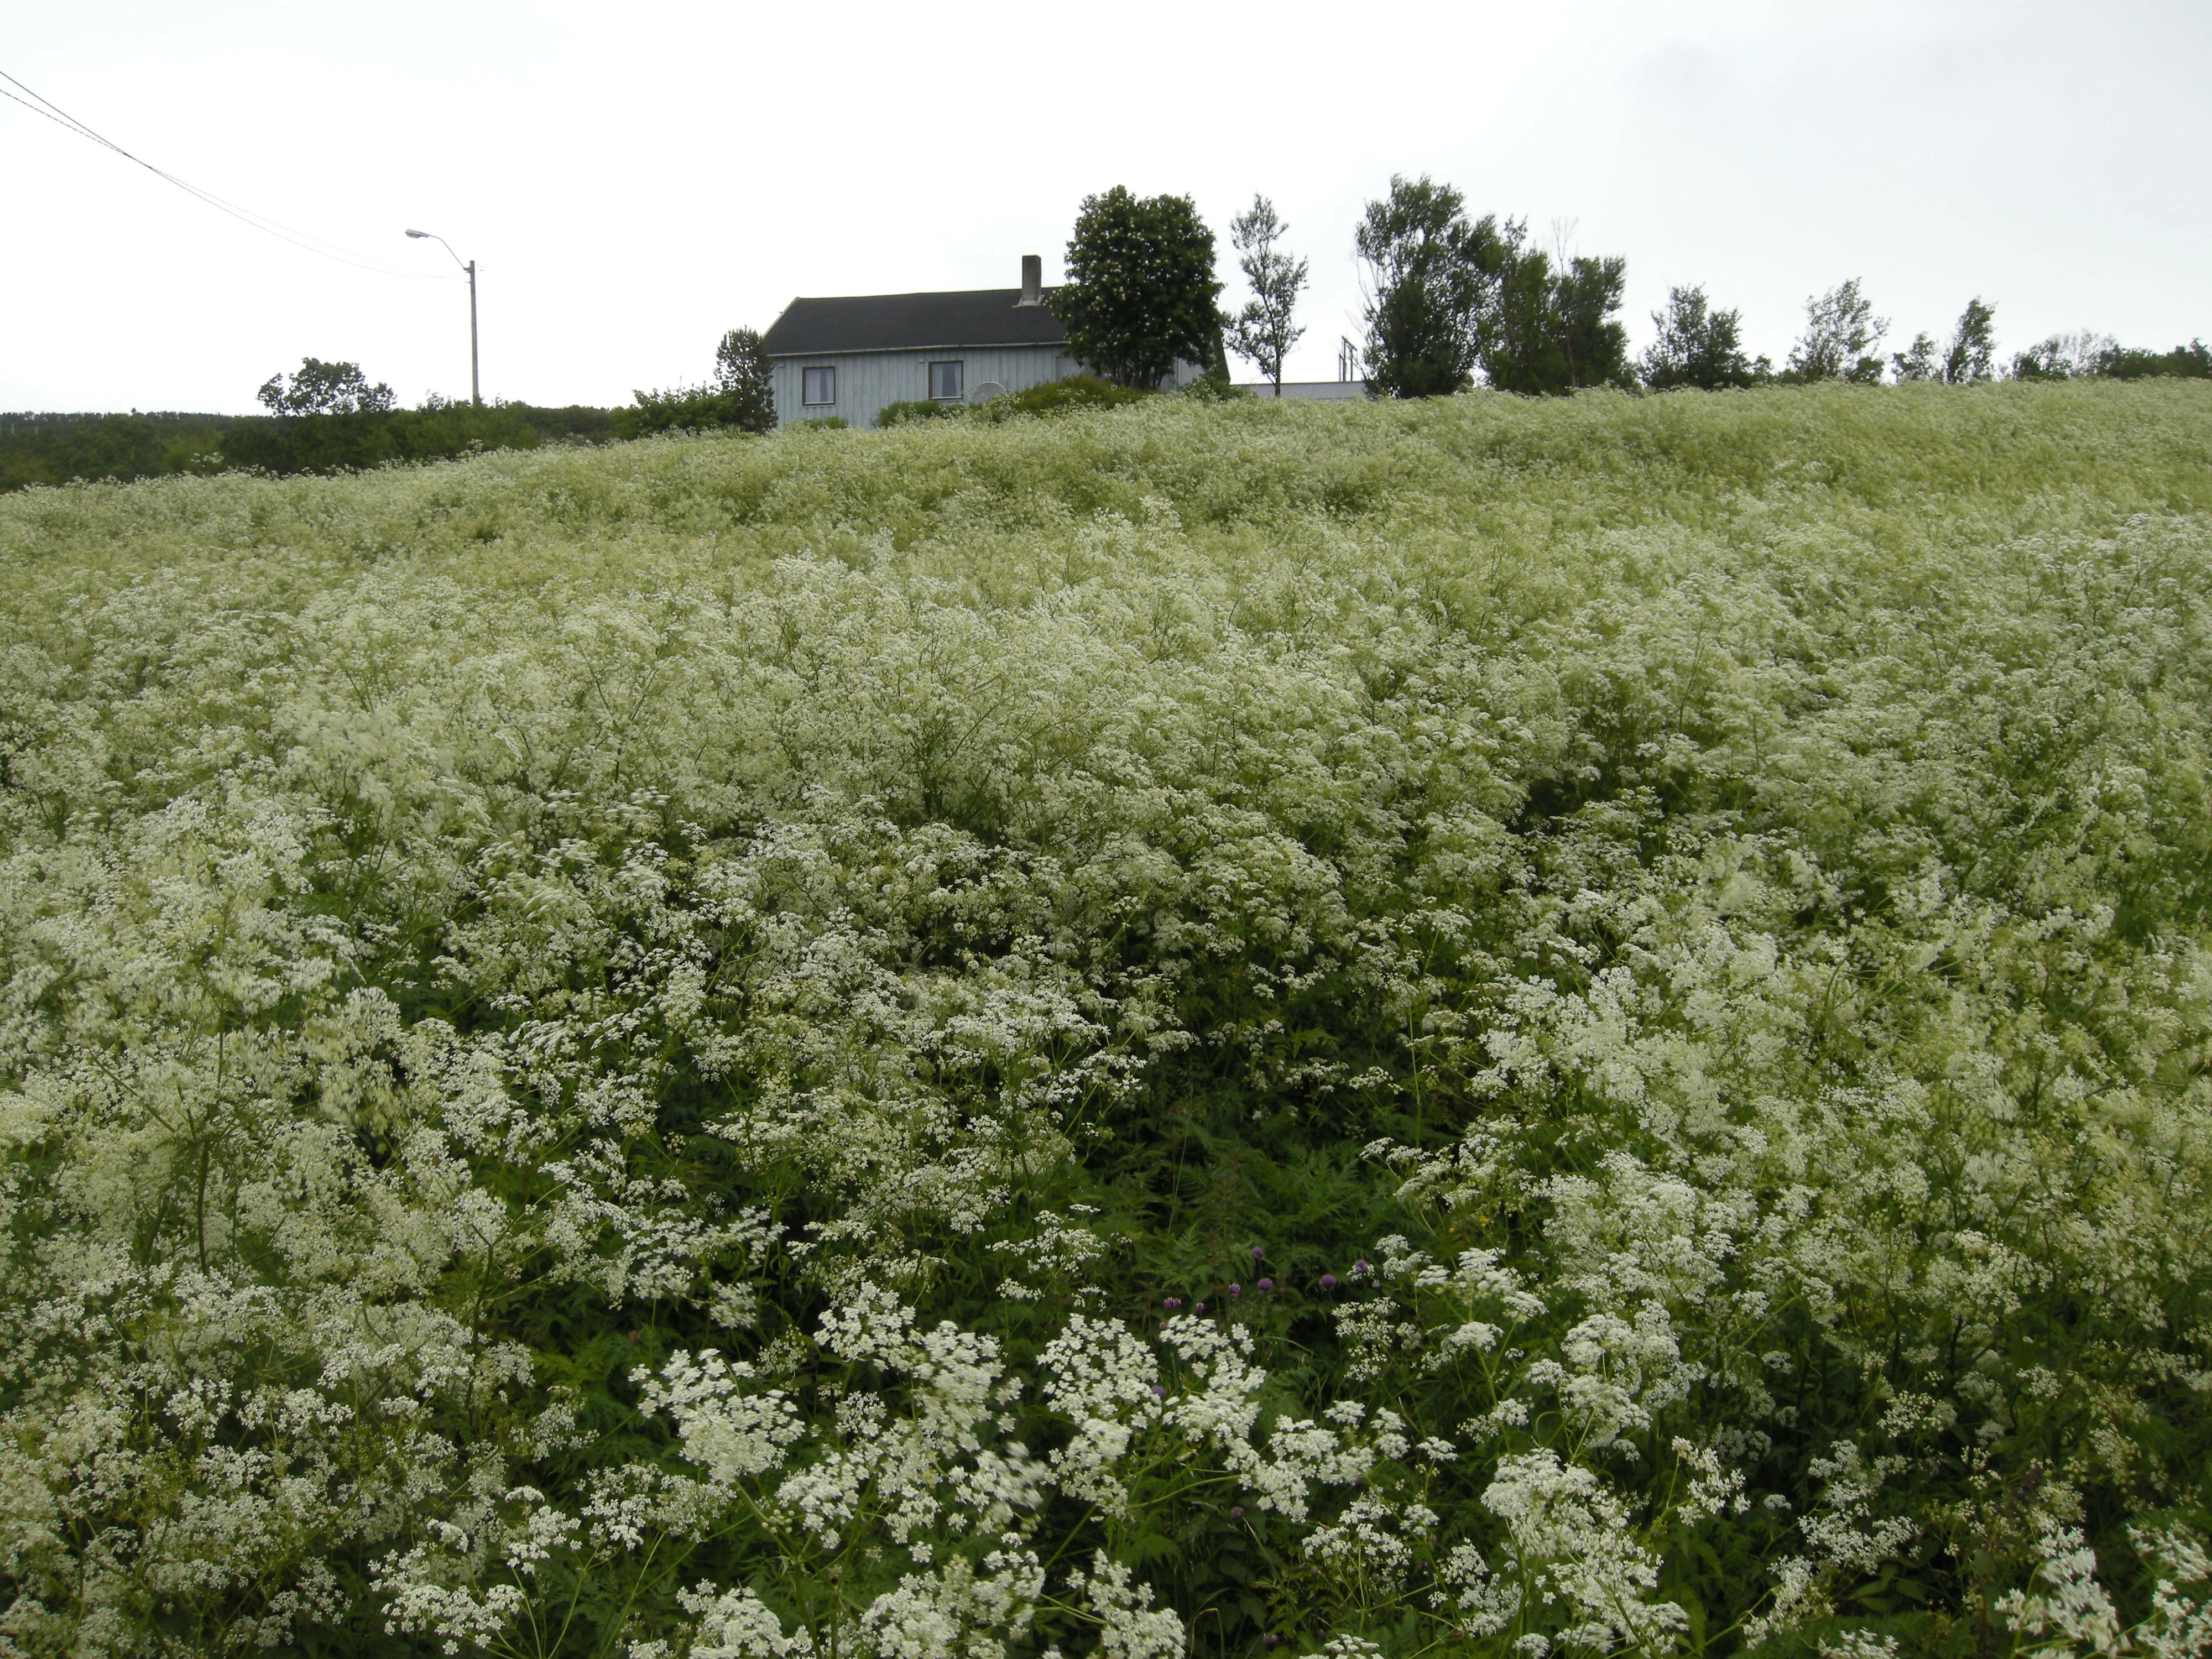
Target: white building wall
{"x": 866, "y": 381}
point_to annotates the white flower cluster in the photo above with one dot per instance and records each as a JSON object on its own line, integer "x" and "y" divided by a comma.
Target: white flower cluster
{"x": 722, "y": 1050}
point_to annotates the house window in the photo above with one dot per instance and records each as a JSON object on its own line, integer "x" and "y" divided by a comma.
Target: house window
{"x": 821, "y": 385}
{"x": 945, "y": 380}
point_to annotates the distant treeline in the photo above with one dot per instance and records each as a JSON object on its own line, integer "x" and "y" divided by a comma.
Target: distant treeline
{"x": 53, "y": 449}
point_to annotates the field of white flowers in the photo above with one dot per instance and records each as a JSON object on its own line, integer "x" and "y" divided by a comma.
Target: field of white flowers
{"x": 1485, "y": 1028}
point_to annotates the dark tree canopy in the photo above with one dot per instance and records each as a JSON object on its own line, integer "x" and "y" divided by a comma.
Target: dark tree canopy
{"x": 1970, "y": 357}
{"x": 1430, "y": 276}
{"x": 1553, "y": 329}
{"x": 1842, "y": 339}
{"x": 1447, "y": 297}
{"x": 742, "y": 375}
{"x": 2065, "y": 356}
{"x": 1697, "y": 346}
{"x": 1918, "y": 362}
{"x": 1973, "y": 352}
{"x": 1140, "y": 290}
{"x": 321, "y": 388}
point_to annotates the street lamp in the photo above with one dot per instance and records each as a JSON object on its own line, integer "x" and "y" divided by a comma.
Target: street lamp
{"x": 476, "y": 383}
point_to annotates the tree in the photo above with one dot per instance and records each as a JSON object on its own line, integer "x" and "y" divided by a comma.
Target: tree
{"x": 2063, "y": 356}
{"x": 1697, "y": 346}
{"x": 1430, "y": 277}
{"x": 1140, "y": 290}
{"x": 1969, "y": 357}
{"x": 321, "y": 388}
{"x": 1585, "y": 310}
{"x": 1263, "y": 331}
{"x": 2192, "y": 361}
{"x": 1918, "y": 362}
{"x": 1842, "y": 339}
{"x": 1973, "y": 345}
{"x": 1550, "y": 329}
{"x": 742, "y": 375}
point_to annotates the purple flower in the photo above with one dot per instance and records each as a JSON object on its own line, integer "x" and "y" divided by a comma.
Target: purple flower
{"x": 1360, "y": 1268}
{"x": 1198, "y": 1307}
{"x": 1266, "y": 1284}
{"x": 1172, "y": 1301}
{"x": 1328, "y": 1281}
{"x": 1257, "y": 1253}
{"x": 1236, "y": 1290}
{"x": 1235, "y": 1515}
{"x": 1158, "y": 1392}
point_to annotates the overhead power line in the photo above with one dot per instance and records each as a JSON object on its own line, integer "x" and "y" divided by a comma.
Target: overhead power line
{"x": 305, "y": 241}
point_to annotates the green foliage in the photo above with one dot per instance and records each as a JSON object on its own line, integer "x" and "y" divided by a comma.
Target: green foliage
{"x": 1446, "y": 297}
{"x": 1972, "y": 353}
{"x": 1214, "y": 387}
{"x": 1266, "y": 328}
{"x": 321, "y": 388}
{"x": 1070, "y": 392}
{"x": 1919, "y": 361}
{"x": 342, "y": 441}
{"x": 680, "y": 408}
{"x": 1430, "y": 276}
{"x": 2192, "y": 361}
{"x": 1699, "y": 346}
{"x": 1140, "y": 290}
{"x": 2070, "y": 356}
{"x": 1970, "y": 357}
{"x": 918, "y": 408}
{"x": 1353, "y": 1029}
{"x": 744, "y": 375}
{"x": 1842, "y": 339}
{"x": 1551, "y": 330}
{"x": 56, "y": 449}
{"x": 740, "y": 394}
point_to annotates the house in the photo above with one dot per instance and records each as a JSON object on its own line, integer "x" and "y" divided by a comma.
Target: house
{"x": 849, "y": 355}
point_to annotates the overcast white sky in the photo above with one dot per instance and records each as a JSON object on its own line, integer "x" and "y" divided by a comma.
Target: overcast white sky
{"x": 636, "y": 179}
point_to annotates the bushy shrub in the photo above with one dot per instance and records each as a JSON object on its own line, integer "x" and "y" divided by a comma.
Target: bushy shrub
{"x": 917, "y": 408}
{"x": 1213, "y": 388}
{"x": 1056, "y": 396}
{"x": 680, "y": 408}
{"x": 1485, "y": 1027}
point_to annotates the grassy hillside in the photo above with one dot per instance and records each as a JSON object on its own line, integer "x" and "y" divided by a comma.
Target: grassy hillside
{"x": 1476, "y": 1027}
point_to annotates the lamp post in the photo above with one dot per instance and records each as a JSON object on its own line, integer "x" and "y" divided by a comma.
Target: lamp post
{"x": 475, "y": 382}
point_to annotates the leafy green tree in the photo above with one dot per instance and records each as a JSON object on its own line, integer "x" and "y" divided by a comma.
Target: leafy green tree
{"x": 2063, "y": 356}
{"x": 1140, "y": 290}
{"x": 1550, "y": 329}
{"x": 1921, "y": 360}
{"x": 744, "y": 375}
{"x": 321, "y": 388}
{"x": 2190, "y": 362}
{"x": 1973, "y": 345}
{"x": 1585, "y": 316}
{"x": 1265, "y": 330}
{"x": 740, "y": 394}
{"x": 1431, "y": 277}
{"x": 1699, "y": 346}
{"x": 1842, "y": 339}
{"x": 1970, "y": 357}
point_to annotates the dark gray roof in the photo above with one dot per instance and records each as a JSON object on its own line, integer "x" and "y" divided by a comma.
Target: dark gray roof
{"x": 908, "y": 322}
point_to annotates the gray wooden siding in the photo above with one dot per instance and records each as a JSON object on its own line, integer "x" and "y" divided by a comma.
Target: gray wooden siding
{"x": 866, "y": 381}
